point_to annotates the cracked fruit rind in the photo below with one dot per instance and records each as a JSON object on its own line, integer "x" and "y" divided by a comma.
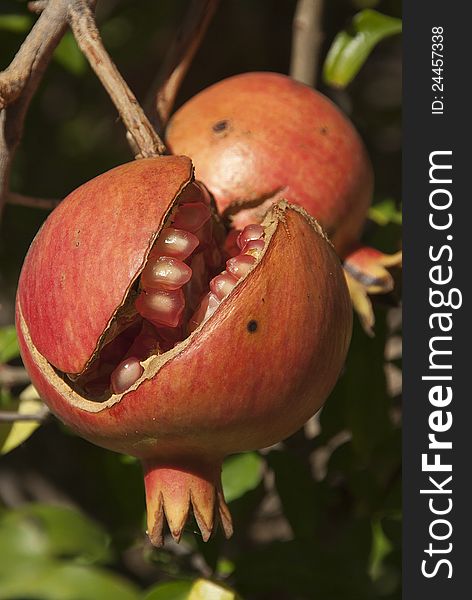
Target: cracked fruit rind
{"x": 248, "y": 375}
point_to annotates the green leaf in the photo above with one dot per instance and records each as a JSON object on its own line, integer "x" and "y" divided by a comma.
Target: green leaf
{"x": 15, "y": 23}
{"x": 14, "y": 434}
{"x": 9, "y": 348}
{"x": 54, "y": 580}
{"x": 350, "y": 49}
{"x": 39, "y": 531}
{"x": 241, "y": 473}
{"x": 385, "y": 212}
{"x": 174, "y": 590}
{"x": 69, "y": 55}
{"x": 381, "y": 546}
{"x": 201, "y": 589}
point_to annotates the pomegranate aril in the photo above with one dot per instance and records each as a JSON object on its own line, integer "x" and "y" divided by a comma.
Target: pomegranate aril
{"x": 176, "y": 243}
{"x": 165, "y": 272}
{"x": 161, "y": 307}
{"x": 250, "y": 232}
{"x": 191, "y": 216}
{"x": 207, "y": 307}
{"x": 223, "y": 284}
{"x": 239, "y": 266}
{"x": 253, "y": 246}
{"x": 126, "y": 374}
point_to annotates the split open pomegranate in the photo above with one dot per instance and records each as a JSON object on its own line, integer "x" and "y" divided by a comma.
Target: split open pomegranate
{"x": 146, "y": 338}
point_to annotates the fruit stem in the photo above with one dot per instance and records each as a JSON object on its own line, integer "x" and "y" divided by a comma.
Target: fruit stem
{"x": 175, "y": 487}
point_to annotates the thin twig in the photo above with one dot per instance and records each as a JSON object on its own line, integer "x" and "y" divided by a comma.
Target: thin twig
{"x": 30, "y": 202}
{"x": 82, "y": 23}
{"x": 11, "y": 376}
{"x": 179, "y": 57}
{"x": 12, "y": 417}
{"x": 20, "y": 80}
{"x": 37, "y": 6}
{"x": 306, "y": 41}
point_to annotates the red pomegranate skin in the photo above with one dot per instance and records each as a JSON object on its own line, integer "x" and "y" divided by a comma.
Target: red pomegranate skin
{"x": 259, "y": 136}
{"x": 229, "y": 389}
{"x": 249, "y": 376}
{"x": 70, "y": 292}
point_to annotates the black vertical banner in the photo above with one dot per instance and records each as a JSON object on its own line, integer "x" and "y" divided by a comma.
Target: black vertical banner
{"x": 437, "y": 194}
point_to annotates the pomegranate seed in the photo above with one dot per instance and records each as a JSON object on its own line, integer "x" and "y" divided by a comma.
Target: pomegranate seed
{"x": 161, "y": 307}
{"x": 166, "y": 272}
{"x": 176, "y": 243}
{"x": 250, "y": 232}
{"x": 206, "y": 308}
{"x": 239, "y": 266}
{"x": 253, "y": 245}
{"x": 126, "y": 374}
{"x": 222, "y": 284}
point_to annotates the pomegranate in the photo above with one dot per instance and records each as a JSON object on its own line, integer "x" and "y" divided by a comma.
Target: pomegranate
{"x": 258, "y": 137}
{"x": 140, "y": 338}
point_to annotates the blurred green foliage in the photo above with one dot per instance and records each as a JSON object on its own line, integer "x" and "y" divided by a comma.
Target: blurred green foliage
{"x": 351, "y": 48}
{"x": 319, "y": 515}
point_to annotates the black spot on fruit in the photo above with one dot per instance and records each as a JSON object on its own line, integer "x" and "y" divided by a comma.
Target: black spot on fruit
{"x": 252, "y": 326}
{"x": 220, "y": 126}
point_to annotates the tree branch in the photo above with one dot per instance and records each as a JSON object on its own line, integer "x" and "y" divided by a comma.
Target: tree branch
{"x": 12, "y": 417}
{"x": 178, "y": 60}
{"x": 37, "y": 6}
{"x": 20, "y": 80}
{"x": 29, "y": 201}
{"x": 140, "y": 130}
{"x": 11, "y": 376}
{"x": 306, "y": 41}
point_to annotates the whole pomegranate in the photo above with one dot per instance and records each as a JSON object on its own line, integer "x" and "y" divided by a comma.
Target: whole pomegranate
{"x": 140, "y": 338}
{"x": 258, "y": 137}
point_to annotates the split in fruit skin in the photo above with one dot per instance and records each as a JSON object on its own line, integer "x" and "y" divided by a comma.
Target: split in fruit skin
{"x": 179, "y": 264}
